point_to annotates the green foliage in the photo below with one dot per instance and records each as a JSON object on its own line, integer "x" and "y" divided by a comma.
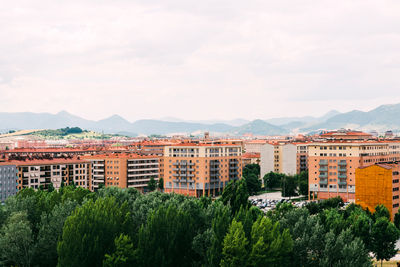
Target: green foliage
{"x": 169, "y": 231}
{"x": 397, "y": 220}
{"x": 253, "y": 183}
{"x": 152, "y": 185}
{"x": 124, "y": 254}
{"x": 50, "y": 232}
{"x": 122, "y": 227}
{"x": 270, "y": 246}
{"x": 160, "y": 183}
{"x": 251, "y": 169}
{"x": 381, "y": 211}
{"x": 288, "y": 185}
{"x": 272, "y": 180}
{"x": 234, "y": 251}
{"x": 90, "y": 231}
{"x": 219, "y": 226}
{"x": 16, "y": 241}
{"x": 236, "y": 195}
{"x": 384, "y": 236}
{"x": 302, "y": 183}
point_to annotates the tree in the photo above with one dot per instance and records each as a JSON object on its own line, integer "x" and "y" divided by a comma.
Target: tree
{"x": 16, "y": 240}
{"x": 302, "y": 183}
{"x": 234, "y": 249}
{"x": 50, "y": 232}
{"x": 344, "y": 250}
{"x": 236, "y": 195}
{"x": 90, "y": 231}
{"x": 253, "y": 183}
{"x": 397, "y": 220}
{"x": 251, "y": 169}
{"x": 384, "y": 237}
{"x": 219, "y": 226}
{"x": 381, "y": 211}
{"x": 288, "y": 185}
{"x": 270, "y": 247}
{"x": 124, "y": 254}
{"x": 50, "y": 188}
{"x": 166, "y": 239}
{"x": 161, "y": 183}
{"x": 152, "y": 184}
{"x": 272, "y": 180}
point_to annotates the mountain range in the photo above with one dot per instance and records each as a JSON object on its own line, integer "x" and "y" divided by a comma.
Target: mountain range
{"x": 385, "y": 117}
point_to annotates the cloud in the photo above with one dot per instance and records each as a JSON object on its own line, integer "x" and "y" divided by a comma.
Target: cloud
{"x": 198, "y": 59}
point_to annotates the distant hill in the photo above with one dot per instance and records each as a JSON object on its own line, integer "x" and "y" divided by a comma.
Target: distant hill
{"x": 304, "y": 120}
{"x": 259, "y": 127}
{"x": 381, "y": 119}
{"x": 385, "y": 117}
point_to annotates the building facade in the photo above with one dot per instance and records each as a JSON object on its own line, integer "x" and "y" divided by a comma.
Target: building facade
{"x": 8, "y": 181}
{"x": 278, "y": 158}
{"x": 332, "y": 165}
{"x": 123, "y": 170}
{"x": 41, "y": 173}
{"x": 201, "y": 169}
{"x": 378, "y": 184}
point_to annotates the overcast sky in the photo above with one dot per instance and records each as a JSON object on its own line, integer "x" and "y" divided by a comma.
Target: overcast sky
{"x": 208, "y": 59}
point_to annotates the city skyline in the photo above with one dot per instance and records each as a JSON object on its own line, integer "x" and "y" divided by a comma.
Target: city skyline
{"x": 151, "y": 59}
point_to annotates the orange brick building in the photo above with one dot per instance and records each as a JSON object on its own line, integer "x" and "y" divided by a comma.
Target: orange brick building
{"x": 378, "y": 184}
{"x": 125, "y": 170}
{"x": 332, "y": 165}
{"x": 201, "y": 169}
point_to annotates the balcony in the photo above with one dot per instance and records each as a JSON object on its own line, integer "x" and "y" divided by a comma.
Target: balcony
{"x": 323, "y": 175}
{"x": 323, "y": 169}
{"x": 343, "y": 176}
{"x": 323, "y": 181}
{"x": 342, "y": 163}
{"x": 323, "y": 162}
{"x": 342, "y": 182}
{"x": 342, "y": 169}
{"x": 175, "y": 169}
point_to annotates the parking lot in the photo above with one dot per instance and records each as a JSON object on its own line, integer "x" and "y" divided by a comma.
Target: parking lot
{"x": 268, "y": 201}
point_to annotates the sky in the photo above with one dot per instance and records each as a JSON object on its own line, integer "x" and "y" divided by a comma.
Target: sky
{"x": 198, "y": 60}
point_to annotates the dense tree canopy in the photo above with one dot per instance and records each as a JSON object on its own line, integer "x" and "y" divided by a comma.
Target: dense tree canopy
{"x": 122, "y": 227}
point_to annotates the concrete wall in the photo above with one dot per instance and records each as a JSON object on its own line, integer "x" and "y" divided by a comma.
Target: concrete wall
{"x": 288, "y": 159}
{"x": 266, "y": 159}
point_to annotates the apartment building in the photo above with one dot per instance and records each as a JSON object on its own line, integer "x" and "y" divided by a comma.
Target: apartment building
{"x": 332, "y": 165}
{"x": 302, "y": 157}
{"x": 279, "y": 158}
{"x": 201, "y": 169}
{"x": 8, "y": 180}
{"x": 250, "y": 158}
{"x": 41, "y": 173}
{"x": 254, "y": 146}
{"x": 126, "y": 170}
{"x": 378, "y": 184}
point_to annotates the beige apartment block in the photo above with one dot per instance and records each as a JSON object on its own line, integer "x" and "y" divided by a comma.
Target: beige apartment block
{"x": 279, "y": 158}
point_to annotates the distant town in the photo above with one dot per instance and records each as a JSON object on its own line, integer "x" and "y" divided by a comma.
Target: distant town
{"x": 340, "y": 163}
